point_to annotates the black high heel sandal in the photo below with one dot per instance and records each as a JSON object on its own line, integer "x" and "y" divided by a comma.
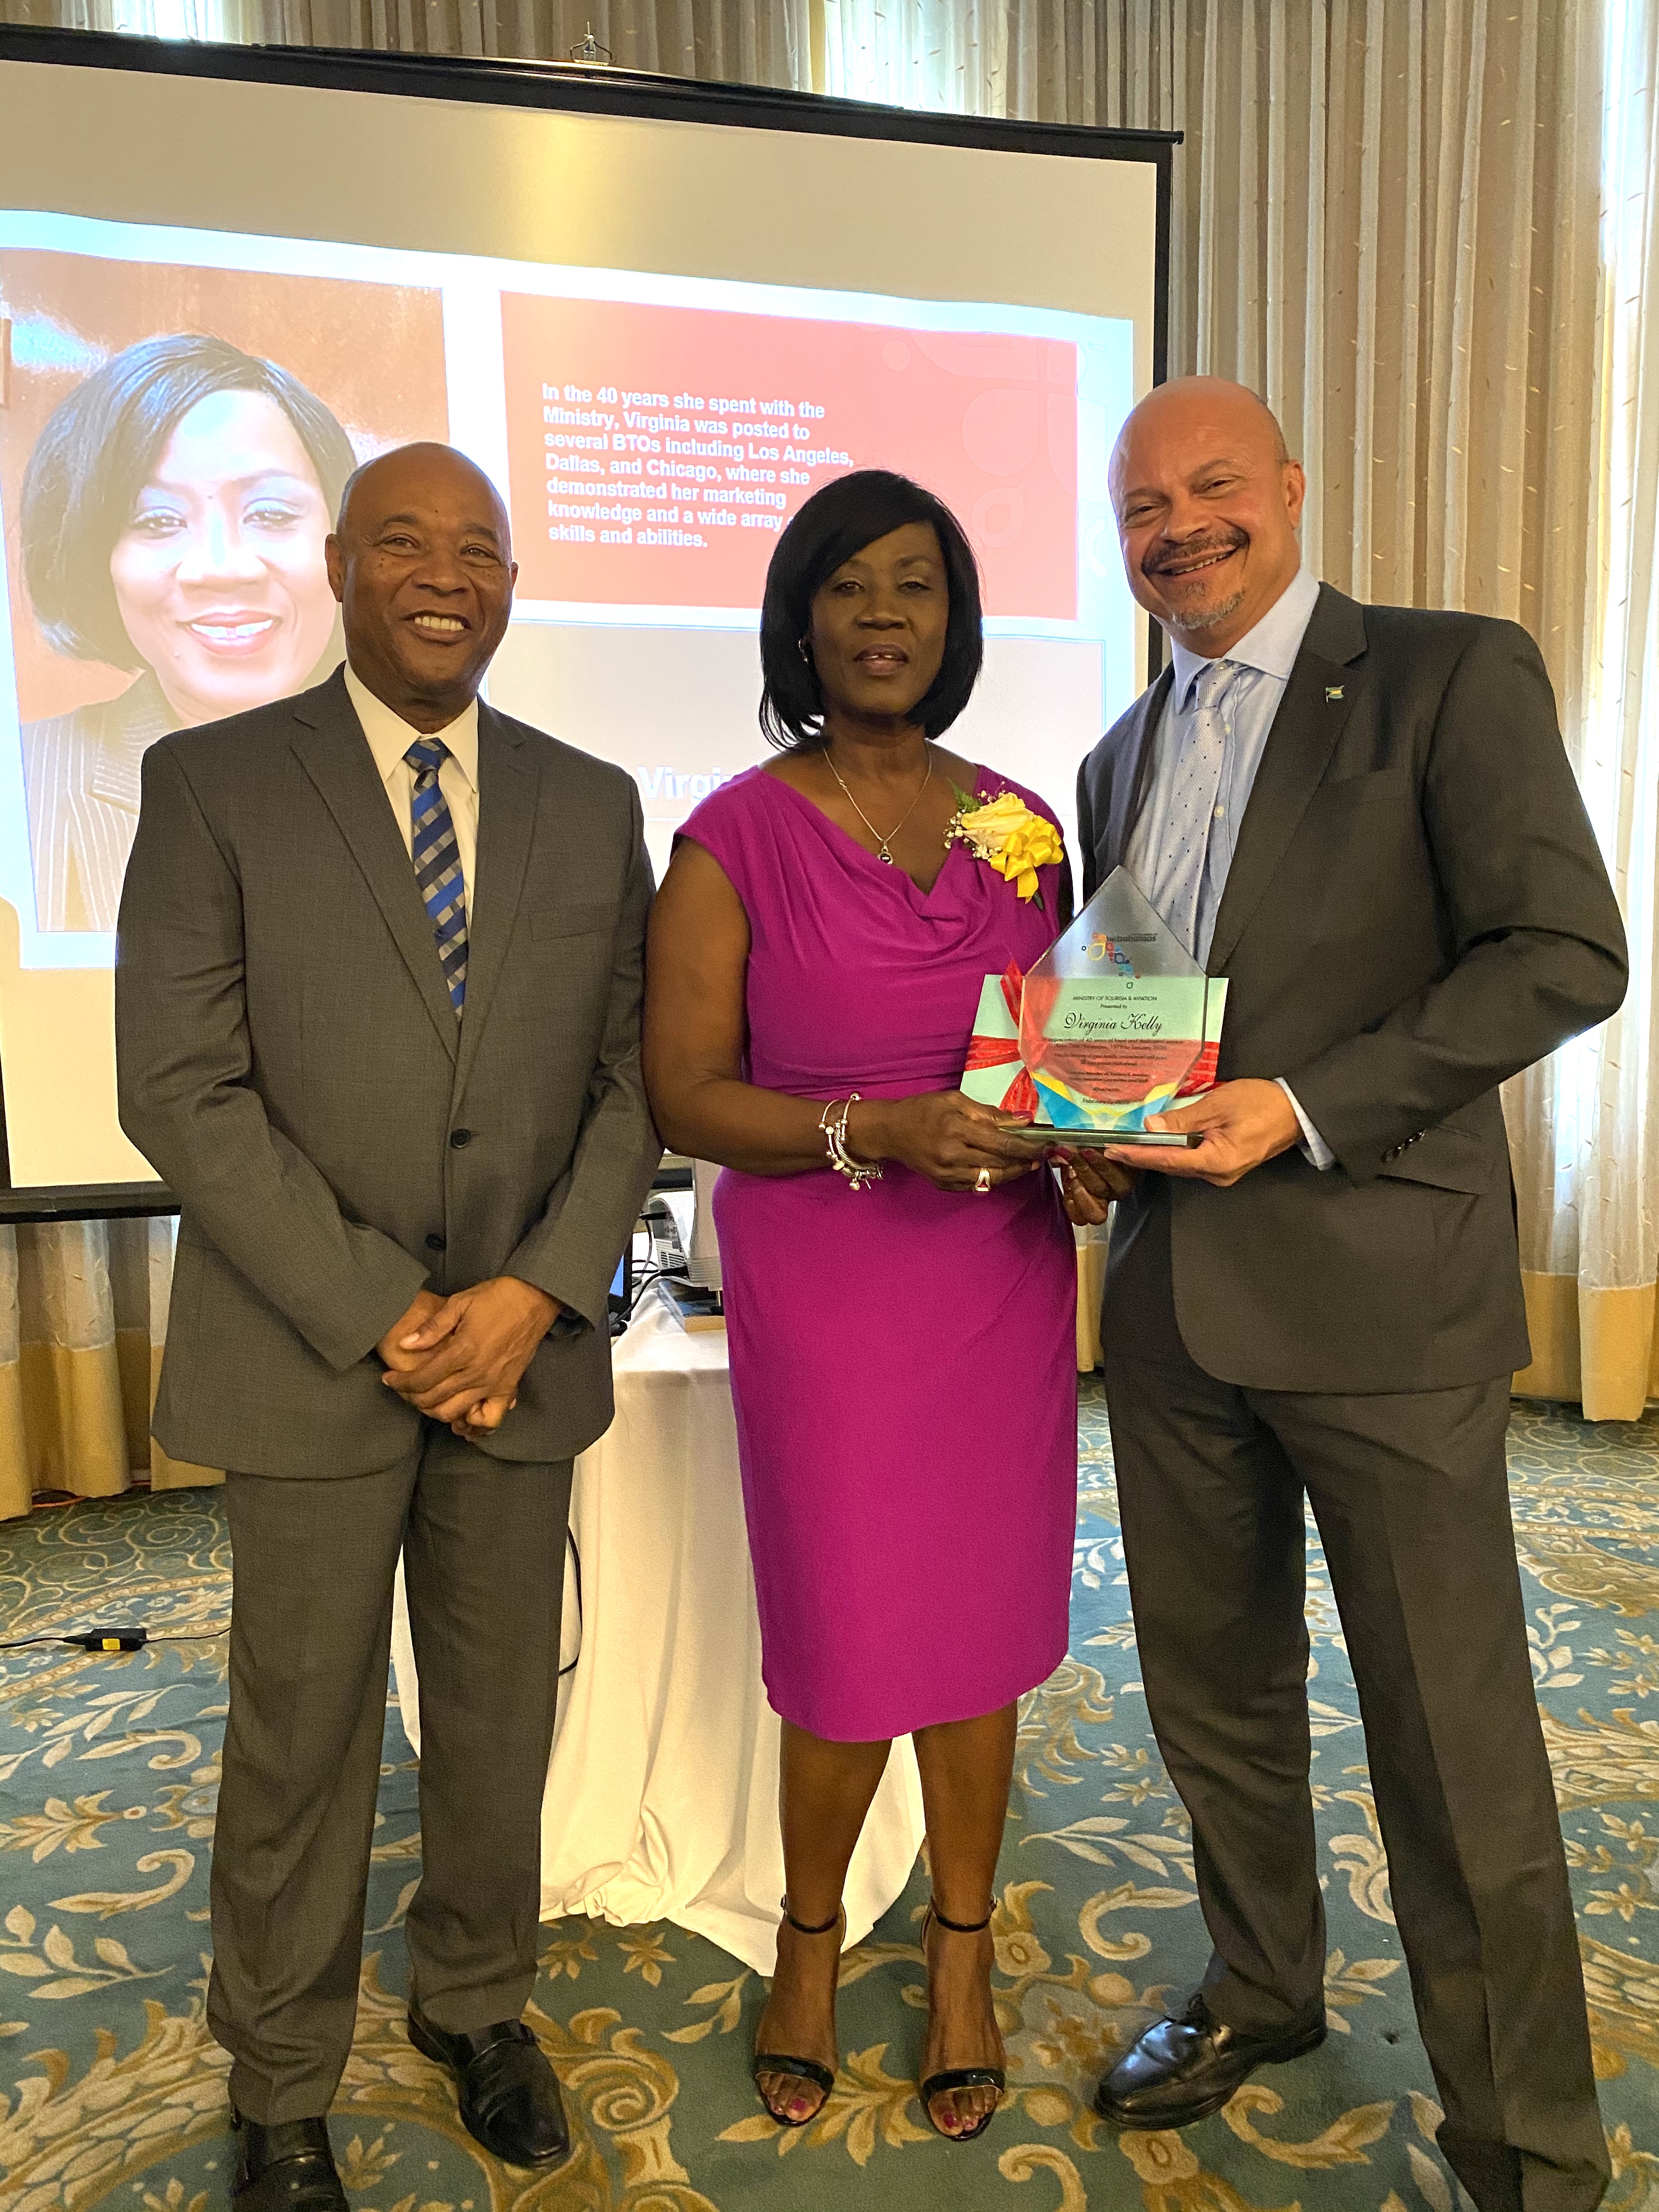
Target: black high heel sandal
{"x": 959, "y": 2077}
{"x": 804, "y": 2069}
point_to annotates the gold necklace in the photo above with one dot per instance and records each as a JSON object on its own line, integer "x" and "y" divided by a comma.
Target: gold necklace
{"x": 884, "y": 842}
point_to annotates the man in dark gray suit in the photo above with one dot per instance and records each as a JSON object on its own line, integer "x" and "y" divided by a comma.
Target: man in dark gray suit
{"x": 1364, "y": 817}
{"x": 378, "y": 983}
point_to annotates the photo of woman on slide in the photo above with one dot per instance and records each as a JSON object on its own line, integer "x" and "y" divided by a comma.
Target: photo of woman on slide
{"x": 173, "y": 517}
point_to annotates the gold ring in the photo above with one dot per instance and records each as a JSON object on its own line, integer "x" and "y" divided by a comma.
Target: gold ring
{"x": 982, "y": 1181}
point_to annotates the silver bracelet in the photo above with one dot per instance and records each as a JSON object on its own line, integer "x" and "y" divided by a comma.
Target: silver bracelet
{"x": 833, "y": 1123}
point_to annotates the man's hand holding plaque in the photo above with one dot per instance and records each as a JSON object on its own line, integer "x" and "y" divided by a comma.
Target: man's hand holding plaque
{"x": 1229, "y": 1130}
{"x": 1111, "y": 1028}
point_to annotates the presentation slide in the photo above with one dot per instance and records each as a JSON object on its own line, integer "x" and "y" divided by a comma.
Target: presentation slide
{"x": 181, "y": 406}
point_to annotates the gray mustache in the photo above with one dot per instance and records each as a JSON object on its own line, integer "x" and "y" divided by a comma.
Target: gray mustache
{"x": 1168, "y": 560}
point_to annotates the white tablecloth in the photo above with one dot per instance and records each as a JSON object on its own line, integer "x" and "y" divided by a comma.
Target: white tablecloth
{"x": 662, "y": 1795}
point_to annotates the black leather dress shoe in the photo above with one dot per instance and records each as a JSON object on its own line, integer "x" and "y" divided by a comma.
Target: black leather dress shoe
{"x": 288, "y": 2168}
{"x": 1185, "y": 2067}
{"x": 509, "y": 2094}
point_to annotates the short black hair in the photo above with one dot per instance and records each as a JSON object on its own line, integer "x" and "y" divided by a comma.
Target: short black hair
{"x": 94, "y": 457}
{"x": 839, "y": 520}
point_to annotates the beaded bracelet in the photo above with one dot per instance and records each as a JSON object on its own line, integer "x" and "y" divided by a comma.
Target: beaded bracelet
{"x": 834, "y": 1126}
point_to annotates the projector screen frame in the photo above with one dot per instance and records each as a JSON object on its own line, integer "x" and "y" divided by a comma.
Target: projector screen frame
{"x": 570, "y": 88}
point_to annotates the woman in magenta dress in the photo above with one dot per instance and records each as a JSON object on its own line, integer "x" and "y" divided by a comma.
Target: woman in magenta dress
{"x": 903, "y": 1343}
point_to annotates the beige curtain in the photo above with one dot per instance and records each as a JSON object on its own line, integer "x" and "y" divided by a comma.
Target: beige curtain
{"x": 1389, "y": 220}
{"x": 84, "y": 1310}
{"x": 747, "y": 41}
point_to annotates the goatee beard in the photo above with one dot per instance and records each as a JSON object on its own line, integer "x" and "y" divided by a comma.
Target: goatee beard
{"x": 1222, "y": 610}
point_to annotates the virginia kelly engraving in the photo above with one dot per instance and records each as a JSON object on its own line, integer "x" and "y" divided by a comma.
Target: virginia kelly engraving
{"x": 1132, "y": 1021}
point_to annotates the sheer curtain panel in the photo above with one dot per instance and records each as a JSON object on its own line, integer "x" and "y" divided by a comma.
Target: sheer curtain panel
{"x": 1586, "y": 1164}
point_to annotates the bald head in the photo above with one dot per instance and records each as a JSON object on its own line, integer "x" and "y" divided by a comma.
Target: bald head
{"x": 421, "y": 465}
{"x": 1201, "y": 407}
{"x": 421, "y": 561}
{"x": 1207, "y": 501}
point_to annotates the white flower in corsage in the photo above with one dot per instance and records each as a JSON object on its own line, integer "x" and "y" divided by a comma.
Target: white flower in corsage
{"x": 1007, "y": 837}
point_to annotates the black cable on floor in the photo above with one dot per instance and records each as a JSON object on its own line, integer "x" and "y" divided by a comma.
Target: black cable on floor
{"x": 115, "y": 1640}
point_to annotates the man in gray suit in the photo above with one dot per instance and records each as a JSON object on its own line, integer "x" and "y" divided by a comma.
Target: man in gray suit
{"x": 1364, "y": 817}
{"x": 378, "y": 983}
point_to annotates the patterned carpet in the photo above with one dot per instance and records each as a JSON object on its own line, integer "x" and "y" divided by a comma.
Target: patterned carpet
{"x": 108, "y": 1767}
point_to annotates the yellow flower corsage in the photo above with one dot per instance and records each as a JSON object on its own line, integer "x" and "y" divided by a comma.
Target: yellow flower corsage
{"x": 1007, "y": 837}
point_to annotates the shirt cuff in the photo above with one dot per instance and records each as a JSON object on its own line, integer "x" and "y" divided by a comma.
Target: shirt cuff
{"x": 1314, "y": 1149}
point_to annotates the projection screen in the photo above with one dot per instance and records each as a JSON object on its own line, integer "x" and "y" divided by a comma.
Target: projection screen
{"x": 658, "y": 314}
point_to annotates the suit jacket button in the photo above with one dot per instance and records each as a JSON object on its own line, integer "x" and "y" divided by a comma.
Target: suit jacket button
{"x": 436, "y": 1243}
{"x": 460, "y": 1138}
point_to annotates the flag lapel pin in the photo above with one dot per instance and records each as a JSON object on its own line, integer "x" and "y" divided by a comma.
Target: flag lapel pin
{"x": 1333, "y": 691}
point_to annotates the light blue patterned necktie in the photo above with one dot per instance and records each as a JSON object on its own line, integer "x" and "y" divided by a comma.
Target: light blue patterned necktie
{"x": 437, "y": 859}
{"x": 1194, "y": 798}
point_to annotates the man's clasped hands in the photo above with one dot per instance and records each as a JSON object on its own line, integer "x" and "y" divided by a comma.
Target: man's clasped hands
{"x": 459, "y": 1359}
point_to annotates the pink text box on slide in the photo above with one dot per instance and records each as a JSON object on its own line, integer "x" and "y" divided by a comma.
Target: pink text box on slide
{"x": 640, "y": 478}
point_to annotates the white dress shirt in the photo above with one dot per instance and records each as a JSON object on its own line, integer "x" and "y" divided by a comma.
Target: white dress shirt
{"x": 390, "y": 737}
{"x": 1204, "y": 758}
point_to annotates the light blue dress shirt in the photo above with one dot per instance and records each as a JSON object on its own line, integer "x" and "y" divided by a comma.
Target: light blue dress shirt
{"x": 1205, "y": 752}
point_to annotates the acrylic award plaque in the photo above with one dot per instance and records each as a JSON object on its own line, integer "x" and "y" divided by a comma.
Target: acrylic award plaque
{"x": 1116, "y": 1022}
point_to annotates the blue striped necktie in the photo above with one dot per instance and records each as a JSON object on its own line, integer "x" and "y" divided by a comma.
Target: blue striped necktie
{"x": 438, "y": 864}
{"x": 1194, "y": 794}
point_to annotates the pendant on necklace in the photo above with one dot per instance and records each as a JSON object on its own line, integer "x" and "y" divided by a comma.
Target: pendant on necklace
{"x": 885, "y": 855}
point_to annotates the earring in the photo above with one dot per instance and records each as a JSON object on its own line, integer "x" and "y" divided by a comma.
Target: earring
{"x": 805, "y": 650}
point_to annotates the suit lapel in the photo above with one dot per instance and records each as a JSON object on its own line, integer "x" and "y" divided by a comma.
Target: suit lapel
{"x": 1299, "y": 746}
{"x": 508, "y": 788}
{"x": 1129, "y": 773}
{"x": 334, "y": 753}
